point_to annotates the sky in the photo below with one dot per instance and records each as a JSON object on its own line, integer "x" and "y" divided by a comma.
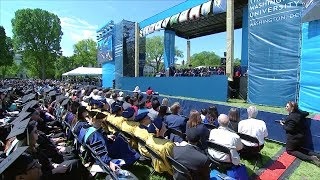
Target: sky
{"x": 80, "y": 20}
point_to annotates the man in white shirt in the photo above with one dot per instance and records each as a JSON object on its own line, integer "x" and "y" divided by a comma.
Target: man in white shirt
{"x": 253, "y": 127}
{"x": 226, "y": 137}
{"x": 153, "y": 112}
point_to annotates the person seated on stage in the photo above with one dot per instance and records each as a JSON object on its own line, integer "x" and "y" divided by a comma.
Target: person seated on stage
{"x": 196, "y": 122}
{"x": 294, "y": 125}
{"x": 111, "y": 147}
{"x": 175, "y": 121}
{"x": 154, "y": 111}
{"x": 234, "y": 117}
{"x": 192, "y": 157}
{"x": 255, "y": 128}
{"x": 226, "y": 137}
{"x": 142, "y": 130}
{"x": 212, "y": 116}
{"x": 160, "y": 145}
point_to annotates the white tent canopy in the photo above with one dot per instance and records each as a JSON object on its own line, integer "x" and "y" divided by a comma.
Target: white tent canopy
{"x": 84, "y": 71}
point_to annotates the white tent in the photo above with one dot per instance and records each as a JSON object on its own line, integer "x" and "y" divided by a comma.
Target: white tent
{"x": 84, "y": 71}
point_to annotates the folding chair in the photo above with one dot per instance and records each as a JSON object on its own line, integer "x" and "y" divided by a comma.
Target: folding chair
{"x": 222, "y": 149}
{"x": 154, "y": 155}
{"x": 257, "y": 151}
{"x": 177, "y": 133}
{"x": 176, "y": 166}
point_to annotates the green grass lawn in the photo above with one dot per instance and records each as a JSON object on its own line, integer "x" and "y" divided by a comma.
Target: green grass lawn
{"x": 306, "y": 171}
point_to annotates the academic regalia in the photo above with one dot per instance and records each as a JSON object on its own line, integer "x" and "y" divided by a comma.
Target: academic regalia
{"x": 119, "y": 149}
{"x": 129, "y": 127}
{"x": 117, "y": 121}
{"x": 142, "y": 132}
{"x": 162, "y": 147}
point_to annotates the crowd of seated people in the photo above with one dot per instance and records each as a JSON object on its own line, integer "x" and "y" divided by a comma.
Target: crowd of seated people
{"x": 115, "y": 126}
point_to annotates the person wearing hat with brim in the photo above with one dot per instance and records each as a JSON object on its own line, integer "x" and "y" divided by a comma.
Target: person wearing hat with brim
{"x": 112, "y": 147}
{"x": 142, "y": 130}
{"x": 192, "y": 157}
{"x": 129, "y": 125}
{"x": 162, "y": 146}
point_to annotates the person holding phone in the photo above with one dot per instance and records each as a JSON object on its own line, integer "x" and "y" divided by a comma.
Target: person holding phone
{"x": 294, "y": 125}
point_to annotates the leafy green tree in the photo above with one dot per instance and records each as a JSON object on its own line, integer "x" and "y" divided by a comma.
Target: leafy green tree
{"x": 37, "y": 35}
{"x": 205, "y": 58}
{"x": 85, "y": 53}
{"x": 64, "y": 64}
{"x": 236, "y": 62}
{"x": 6, "y": 51}
{"x": 155, "y": 50}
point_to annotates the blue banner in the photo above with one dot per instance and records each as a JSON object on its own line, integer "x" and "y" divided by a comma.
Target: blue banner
{"x": 309, "y": 96}
{"x": 274, "y": 51}
{"x": 169, "y": 41}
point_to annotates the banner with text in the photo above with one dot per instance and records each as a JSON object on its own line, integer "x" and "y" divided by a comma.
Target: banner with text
{"x": 274, "y": 50}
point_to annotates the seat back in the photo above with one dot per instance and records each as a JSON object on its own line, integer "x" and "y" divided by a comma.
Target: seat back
{"x": 141, "y": 141}
{"x": 177, "y": 133}
{"x": 177, "y": 166}
{"x": 249, "y": 138}
{"x": 153, "y": 153}
{"x": 218, "y": 147}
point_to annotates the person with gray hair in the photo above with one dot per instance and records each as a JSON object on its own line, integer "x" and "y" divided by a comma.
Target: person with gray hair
{"x": 226, "y": 137}
{"x": 255, "y": 128}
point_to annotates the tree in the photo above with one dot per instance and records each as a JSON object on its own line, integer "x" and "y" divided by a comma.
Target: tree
{"x": 64, "y": 64}
{"x": 205, "y": 58}
{"x": 236, "y": 62}
{"x": 6, "y": 52}
{"x": 85, "y": 53}
{"x": 155, "y": 50}
{"x": 37, "y": 35}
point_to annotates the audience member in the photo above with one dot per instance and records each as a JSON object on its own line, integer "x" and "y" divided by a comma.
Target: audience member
{"x": 226, "y": 137}
{"x": 175, "y": 121}
{"x": 195, "y": 122}
{"x": 255, "y": 128}
{"x": 234, "y": 117}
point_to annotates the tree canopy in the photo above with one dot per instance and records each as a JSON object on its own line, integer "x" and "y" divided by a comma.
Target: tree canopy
{"x": 6, "y": 51}
{"x": 85, "y": 53}
{"x": 205, "y": 58}
{"x": 37, "y": 35}
{"x": 155, "y": 50}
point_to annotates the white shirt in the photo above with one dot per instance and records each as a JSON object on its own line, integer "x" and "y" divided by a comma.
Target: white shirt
{"x": 152, "y": 114}
{"x": 126, "y": 105}
{"x": 255, "y": 128}
{"x": 226, "y": 137}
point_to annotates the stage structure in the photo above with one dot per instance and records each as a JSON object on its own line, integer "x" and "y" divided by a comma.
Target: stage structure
{"x": 280, "y": 45}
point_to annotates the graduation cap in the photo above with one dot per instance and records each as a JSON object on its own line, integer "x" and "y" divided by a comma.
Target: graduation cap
{"x": 31, "y": 104}
{"x": 64, "y": 102}
{"x": 97, "y": 115}
{"x": 28, "y": 97}
{"x": 19, "y": 127}
{"x": 115, "y": 108}
{"x": 52, "y": 93}
{"x": 6, "y": 163}
{"x": 21, "y": 116}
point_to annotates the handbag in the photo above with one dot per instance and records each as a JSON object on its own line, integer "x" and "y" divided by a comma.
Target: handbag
{"x": 238, "y": 172}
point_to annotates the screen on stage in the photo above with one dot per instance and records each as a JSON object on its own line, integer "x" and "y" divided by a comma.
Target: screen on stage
{"x": 105, "y": 49}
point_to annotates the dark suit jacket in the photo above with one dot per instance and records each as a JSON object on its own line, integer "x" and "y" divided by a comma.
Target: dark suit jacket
{"x": 295, "y": 129}
{"x": 192, "y": 157}
{"x": 178, "y": 123}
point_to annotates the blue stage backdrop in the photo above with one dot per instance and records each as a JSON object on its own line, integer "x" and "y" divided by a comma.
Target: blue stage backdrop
{"x": 212, "y": 88}
{"x": 309, "y": 96}
{"x": 274, "y": 51}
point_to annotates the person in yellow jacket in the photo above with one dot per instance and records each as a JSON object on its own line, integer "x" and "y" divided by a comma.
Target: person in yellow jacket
{"x": 159, "y": 144}
{"x": 129, "y": 125}
{"x": 117, "y": 111}
{"x": 142, "y": 130}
